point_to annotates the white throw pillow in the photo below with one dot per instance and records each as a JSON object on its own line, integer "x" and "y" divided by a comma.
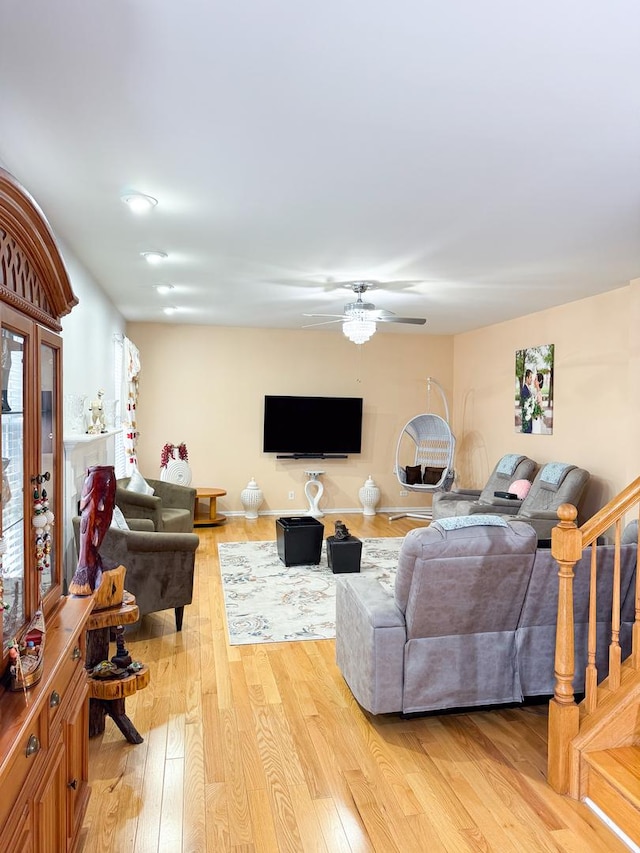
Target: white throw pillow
{"x": 138, "y": 484}
{"x": 118, "y": 520}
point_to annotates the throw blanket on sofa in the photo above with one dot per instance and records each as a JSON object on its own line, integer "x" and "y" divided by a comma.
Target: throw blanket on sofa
{"x": 458, "y": 521}
{"x": 508, "y": 464}
{"x": 555, "y": 472}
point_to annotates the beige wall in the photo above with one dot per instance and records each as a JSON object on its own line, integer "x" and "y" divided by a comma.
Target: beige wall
{"x": 205, "y": 386}
{"x": 596, "y": 407}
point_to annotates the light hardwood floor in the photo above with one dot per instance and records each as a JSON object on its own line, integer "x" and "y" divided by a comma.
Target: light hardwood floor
{"x": 263, "y": 748}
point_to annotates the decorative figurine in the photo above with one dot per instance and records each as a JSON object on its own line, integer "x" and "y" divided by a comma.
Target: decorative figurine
{"x": 96, "y": 511}
{"x": 122, "y": 658}
{"x": 97, "y": 415}
{"x": 341, "y": 531}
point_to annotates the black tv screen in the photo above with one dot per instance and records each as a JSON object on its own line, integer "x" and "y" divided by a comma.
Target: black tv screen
{"x": 312, "y": 426}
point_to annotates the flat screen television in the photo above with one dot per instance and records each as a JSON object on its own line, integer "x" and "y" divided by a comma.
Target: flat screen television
{"x": 313, "y": 427}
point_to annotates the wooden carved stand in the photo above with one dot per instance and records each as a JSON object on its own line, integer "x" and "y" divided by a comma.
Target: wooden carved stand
{"x": 108, "y": 696}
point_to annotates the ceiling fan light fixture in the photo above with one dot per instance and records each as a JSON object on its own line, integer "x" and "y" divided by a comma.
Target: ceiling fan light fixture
{"x": 358, "y": 330}
{"x": 154, "y": 257}
{"x": 139, "y": 202}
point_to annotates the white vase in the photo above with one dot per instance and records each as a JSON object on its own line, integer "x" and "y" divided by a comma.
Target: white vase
{"x": 109, "y": 408}
{"x": 176, "y": 471}
{"x": 251, "y": 498}
{"x": 75, "y": 414}
{"x": 369, "y": 495}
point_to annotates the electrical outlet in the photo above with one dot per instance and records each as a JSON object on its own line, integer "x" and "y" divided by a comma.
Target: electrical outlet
{"x": 292, "y": 496}
{"x": 403, "y": 493}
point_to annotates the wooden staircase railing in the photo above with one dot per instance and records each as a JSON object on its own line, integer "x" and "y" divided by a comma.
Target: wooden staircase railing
{"x": 567, "y": 544}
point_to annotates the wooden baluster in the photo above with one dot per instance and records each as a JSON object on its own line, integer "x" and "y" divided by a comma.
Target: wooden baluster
{"x": 566, "y": 549}
{"x": 591, "y": 674}
{"x": 615, "y": 652}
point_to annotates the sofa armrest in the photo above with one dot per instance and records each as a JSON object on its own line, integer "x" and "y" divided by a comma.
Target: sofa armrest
{"x": 542, "y": 514}
{"x": 370, "y": 640}
{"x": 140, "y": 524}
{"x": 459, "y": 494}
{"x": 503, "y": 506}
{"x": 138, "y": 541}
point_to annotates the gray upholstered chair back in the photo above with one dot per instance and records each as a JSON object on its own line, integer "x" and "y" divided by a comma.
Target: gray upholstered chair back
{"x": 510, "y": 468}
{"x": 556, "y": 483}
{"x": 171, "y": 506}
{"x": 441, "y": 571}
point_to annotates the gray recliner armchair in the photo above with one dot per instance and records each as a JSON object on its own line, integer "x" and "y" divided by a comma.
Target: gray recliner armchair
{"x": 171, "y": 507}
{"x": 160, "y": 566}
{"x": 447, "y": 637}
{"x": 509, "y": 468}
{"x": 556, "y": 483}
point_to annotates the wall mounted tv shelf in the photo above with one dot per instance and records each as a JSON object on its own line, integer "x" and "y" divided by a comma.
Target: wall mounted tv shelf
{"x": 312, "y": 456}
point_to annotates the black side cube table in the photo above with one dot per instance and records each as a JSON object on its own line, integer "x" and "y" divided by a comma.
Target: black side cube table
{"x": 343, "y": 555}
{"x": 299, "y": 540}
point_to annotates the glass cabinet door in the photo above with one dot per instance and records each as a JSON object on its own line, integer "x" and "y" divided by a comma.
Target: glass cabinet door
{"x": 13, "y": 486}
{"x": 45, "y": 550}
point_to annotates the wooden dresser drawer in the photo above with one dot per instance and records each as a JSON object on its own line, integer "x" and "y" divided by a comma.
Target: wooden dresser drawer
{"x": 27, "y": 754}
{"x": 65, "y": 679}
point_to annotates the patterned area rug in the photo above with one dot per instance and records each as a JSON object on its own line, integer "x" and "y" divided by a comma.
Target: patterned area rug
{"x": 267, "y": 602}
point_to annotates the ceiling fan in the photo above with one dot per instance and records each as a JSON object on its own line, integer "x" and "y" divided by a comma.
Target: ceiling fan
{"x": 360, "y": 318}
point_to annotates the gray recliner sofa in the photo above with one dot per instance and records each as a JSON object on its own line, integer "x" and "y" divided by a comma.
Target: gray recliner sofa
{"x": 555, "y": 483}
{"x": 472, "y": 620}
{"x": 508, "y": 469}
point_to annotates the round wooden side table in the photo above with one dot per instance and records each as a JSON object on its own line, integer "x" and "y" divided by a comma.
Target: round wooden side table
{"x": 213, "y": 517}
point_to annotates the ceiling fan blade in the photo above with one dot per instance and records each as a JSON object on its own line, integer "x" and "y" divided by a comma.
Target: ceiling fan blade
{"x": 416, "y": 321}
{"x": 324, "y": 322}
{"x": 337, "y": 316}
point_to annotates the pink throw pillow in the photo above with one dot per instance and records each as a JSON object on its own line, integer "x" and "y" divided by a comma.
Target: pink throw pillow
{"x": 520, "y": 488}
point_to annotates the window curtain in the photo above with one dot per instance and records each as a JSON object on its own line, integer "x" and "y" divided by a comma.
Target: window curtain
{"x": 131, "y": 374}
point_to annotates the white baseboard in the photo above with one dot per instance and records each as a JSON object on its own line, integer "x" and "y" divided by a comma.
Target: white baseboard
{"x": 384, "y": 510}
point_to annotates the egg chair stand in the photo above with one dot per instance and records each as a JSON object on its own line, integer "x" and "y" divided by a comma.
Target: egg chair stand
{"x": 433, "y": 444}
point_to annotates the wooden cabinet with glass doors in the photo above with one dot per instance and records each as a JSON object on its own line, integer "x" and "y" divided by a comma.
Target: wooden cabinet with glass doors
{"x": 29, "y": 418}
{"x": 43, "y": 728}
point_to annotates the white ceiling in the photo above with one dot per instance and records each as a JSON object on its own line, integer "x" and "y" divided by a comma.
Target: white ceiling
{"x": 482, "y": 159}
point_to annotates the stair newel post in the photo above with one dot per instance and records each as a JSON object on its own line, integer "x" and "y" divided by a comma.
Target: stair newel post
{"x": 566, "y": 549}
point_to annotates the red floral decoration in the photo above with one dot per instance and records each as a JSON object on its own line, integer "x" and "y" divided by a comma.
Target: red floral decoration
{"x": 167, "y": 453}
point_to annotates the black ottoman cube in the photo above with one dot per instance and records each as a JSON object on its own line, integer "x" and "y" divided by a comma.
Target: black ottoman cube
{"x": 299, "y": 540}
{"x": 343, "y": 555}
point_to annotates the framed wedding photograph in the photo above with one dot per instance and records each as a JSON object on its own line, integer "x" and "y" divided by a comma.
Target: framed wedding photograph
{"x": 533, "y": 403}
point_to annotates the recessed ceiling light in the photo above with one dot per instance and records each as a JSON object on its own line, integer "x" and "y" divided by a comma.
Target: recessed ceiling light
{"x": 164, "y": 288}
{"x": 139, "y": 202}
{"x": 170, "y": 309}
{"x": 154, "y": 257}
